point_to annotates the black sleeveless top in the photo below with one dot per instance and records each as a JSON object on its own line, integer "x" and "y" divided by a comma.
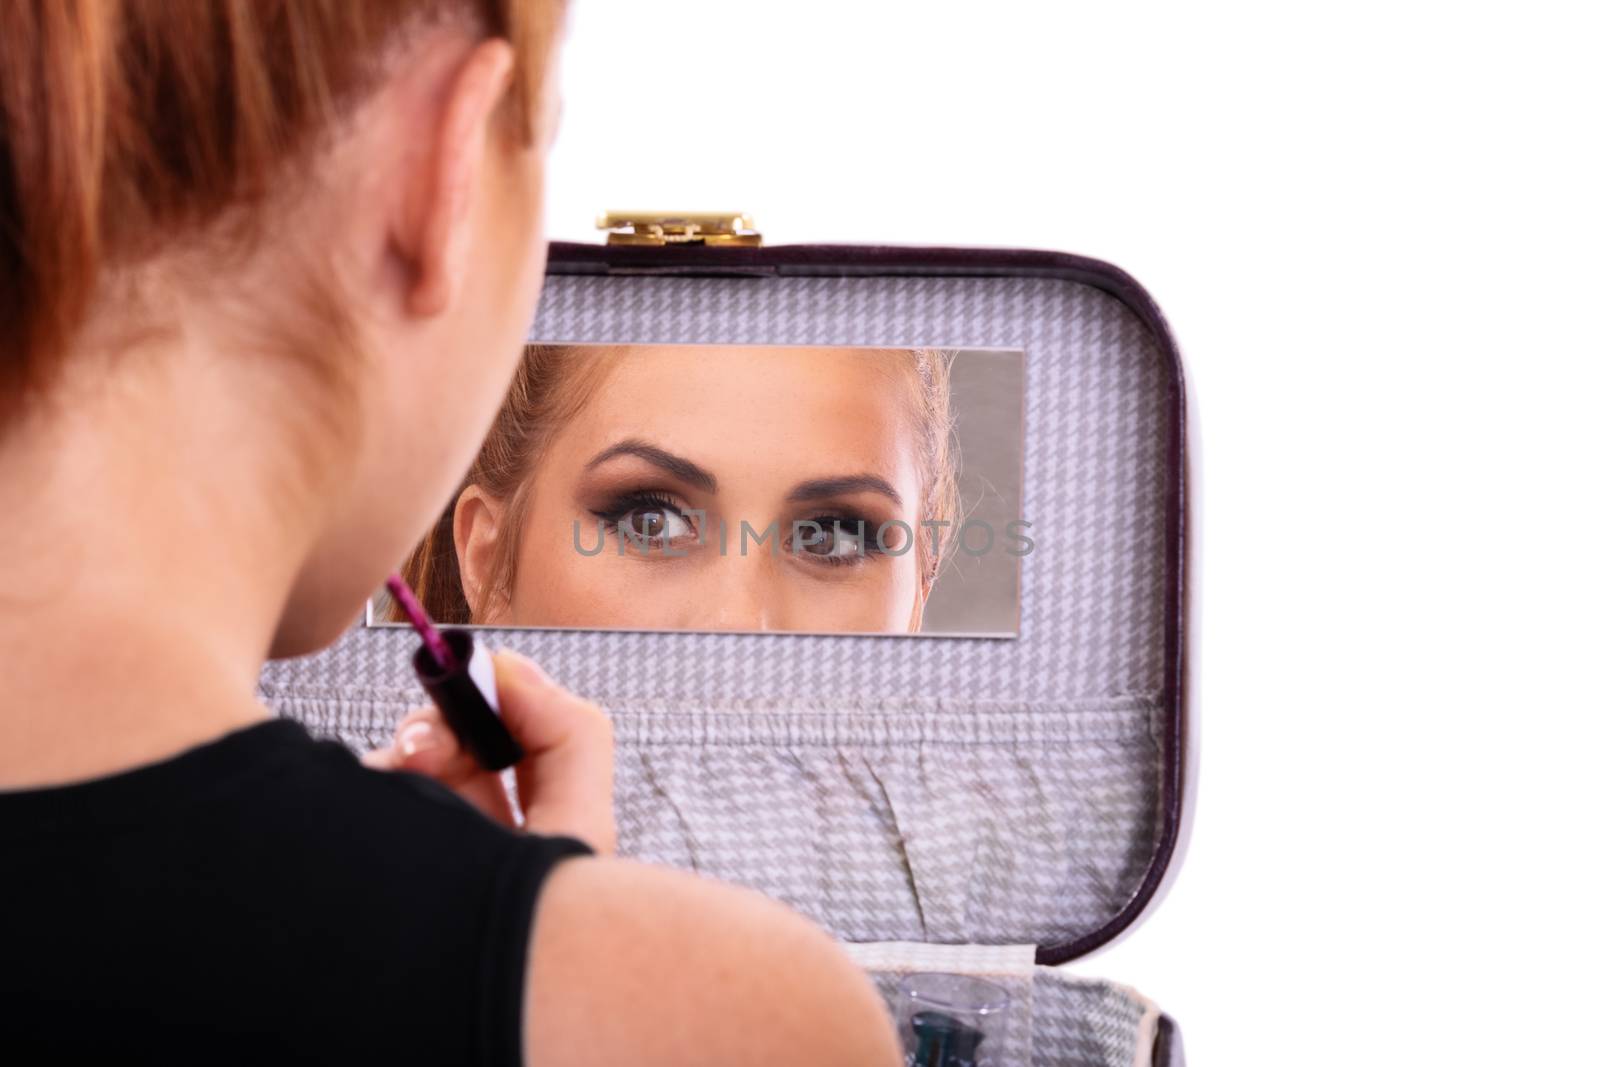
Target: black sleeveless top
{"x": 263, "y": 899}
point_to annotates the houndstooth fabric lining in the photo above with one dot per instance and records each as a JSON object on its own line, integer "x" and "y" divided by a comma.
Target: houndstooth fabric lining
{"x": 939, "y": 789}
{"x": 1079, "y": 1022}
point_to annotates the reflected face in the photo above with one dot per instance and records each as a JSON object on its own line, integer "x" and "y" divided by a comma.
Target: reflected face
{"x": 727, "y": 488}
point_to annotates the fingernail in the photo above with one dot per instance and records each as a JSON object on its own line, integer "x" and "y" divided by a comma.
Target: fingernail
{"x": 417, "y": 737}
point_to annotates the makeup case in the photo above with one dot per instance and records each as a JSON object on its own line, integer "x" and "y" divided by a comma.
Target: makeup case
{"x": 996, "y": 807}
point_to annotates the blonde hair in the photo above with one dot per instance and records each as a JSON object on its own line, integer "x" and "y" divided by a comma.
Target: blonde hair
{"x": 940, "y": 454}
{"x": 552, "y": 385}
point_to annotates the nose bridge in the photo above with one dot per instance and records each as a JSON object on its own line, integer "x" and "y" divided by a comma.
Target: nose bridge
{"x": 746, "y": 592}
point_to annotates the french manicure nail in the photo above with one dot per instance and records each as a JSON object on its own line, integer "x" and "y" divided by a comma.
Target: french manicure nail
{"x": 417, "y": 737}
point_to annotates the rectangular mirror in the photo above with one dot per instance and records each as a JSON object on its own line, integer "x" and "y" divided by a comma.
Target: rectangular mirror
{"x": 772, "y": 488}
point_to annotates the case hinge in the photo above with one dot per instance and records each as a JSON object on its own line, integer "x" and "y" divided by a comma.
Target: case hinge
{"x": 659, "y": 228}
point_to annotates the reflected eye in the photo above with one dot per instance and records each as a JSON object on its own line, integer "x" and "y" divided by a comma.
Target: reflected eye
{"x": 654, "y": 525}
{"x": 645, "y": 520}
{"x": 839, "y": 542}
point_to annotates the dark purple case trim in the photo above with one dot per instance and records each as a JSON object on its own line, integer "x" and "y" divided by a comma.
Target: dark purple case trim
{"x": 1168, "y": 1051}
{"x": 866, "y": 260}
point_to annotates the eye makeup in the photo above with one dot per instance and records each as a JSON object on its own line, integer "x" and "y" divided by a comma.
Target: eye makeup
{"x": 649, "y": 518}
{"x": 646, "y": 518}
{"x": 836, "y": 531}
{"x": 837, "y": 521}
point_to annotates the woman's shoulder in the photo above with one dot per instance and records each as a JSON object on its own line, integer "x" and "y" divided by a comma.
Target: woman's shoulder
{"x": 268, "y": 884}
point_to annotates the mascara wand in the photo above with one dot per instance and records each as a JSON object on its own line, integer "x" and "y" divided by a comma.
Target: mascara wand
{"x": 459, "y": 676}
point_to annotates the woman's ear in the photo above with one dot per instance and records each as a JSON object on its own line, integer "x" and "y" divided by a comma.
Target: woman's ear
{"x": 477, "y": 535}
{"x": 433, "y": 233}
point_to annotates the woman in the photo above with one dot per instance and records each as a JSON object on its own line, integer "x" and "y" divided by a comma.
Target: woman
{"x": 243, "y": 248}
{"x": 703, "y": 487}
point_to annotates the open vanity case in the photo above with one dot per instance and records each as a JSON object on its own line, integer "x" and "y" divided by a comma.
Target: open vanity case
{"x": 996, "y": 807}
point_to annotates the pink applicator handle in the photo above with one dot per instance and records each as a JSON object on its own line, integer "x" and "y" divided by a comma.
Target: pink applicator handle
{"x": 431, "y": 638}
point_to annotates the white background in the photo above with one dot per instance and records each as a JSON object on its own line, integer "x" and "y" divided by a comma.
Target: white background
{"x": 1374, "y": 229}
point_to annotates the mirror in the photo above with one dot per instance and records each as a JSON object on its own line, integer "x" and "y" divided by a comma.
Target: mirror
{"x": 740, "y": 488}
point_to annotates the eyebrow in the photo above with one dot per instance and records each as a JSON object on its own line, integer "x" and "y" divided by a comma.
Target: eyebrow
{"x": 818, "y": 488}
{"x": 675, "y": 465}
{"x": 700, "y": 478}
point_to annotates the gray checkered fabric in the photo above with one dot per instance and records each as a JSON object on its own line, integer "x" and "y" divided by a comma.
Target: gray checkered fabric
{"x": 1079, "y": 1022}
{"x": 953, "y": 790}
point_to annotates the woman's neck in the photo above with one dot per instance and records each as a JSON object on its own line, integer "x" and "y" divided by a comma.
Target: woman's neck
{"x": 143, "y": 562}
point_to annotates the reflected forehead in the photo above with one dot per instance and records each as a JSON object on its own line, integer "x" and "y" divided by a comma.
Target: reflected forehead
{"x": 759, "y": 389}
{"x": 757, "y": 384}
{"x": 825, "y": 409}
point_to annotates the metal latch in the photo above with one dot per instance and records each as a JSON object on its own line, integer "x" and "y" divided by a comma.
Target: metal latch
{"x": 679, "y": 228}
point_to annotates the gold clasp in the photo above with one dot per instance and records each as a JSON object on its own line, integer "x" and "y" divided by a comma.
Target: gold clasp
{"x": 659, "y": 228}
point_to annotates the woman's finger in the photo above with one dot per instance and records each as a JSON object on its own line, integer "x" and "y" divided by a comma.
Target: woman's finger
{"x": 382, "y": 759}
{"x": 564, "y": 781}
{"x": 425, "y": 745}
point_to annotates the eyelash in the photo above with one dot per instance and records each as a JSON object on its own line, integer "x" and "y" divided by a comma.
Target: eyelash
{"x": 622, "y": 505}
{"x": 610, "y": 517}
{"x": 851, "y": 524}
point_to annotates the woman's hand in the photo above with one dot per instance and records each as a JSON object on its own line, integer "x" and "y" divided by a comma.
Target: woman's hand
{"x": 563, "y": 781}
